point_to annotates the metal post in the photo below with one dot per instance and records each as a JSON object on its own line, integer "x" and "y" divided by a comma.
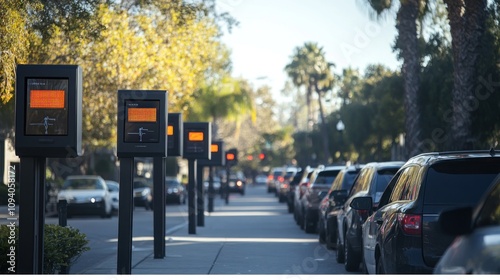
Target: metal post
{"x": 192, "y": 196}
{"x": 159, "y": 207}
{"x": 200, "y": 195}
{"x": 211, "y": 190}
{"x": 30, "y": 227}
{"x": 226, "y": 187}
{"x": 41, "y": 164}
{"x": 124, "y": 263}
{"x": 62, "y": 210}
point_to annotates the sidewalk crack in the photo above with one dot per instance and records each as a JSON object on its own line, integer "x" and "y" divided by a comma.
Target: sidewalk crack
{"x": 216, "y": 257}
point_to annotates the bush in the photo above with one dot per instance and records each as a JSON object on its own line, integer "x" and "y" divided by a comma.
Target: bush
{"x": 62, "y": 246}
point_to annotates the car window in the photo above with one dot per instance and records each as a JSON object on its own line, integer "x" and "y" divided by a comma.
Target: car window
{"x": 386, "y": 195}
{"x": 489, "y": 214}
{"x": 112, "y": 187}
{"x": 412, "y": 185}
{"x": 349, "y": 179}
{"x": 326, "y": 177}
{"x": 80, "y": 184}
{"x": 360, "y": 182}
{"x": 100, "y": 185}
{"x": 400, "y": 184}
{"x": 383, "y": 178}
{"x": 337, "y": 182}
{"x": 467, "y": 180}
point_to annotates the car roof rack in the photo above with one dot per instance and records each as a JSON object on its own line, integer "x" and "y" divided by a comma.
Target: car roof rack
{"x": 492, "y": 152}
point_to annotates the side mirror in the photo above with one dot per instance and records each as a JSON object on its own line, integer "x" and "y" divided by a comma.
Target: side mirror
{"x": 362, "y": 203}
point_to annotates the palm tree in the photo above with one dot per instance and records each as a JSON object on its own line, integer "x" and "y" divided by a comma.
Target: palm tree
{"x": 227, "y": 98}
{"x": 310, "y": 69}
{"x": 407, "y": 18}
{"x": 467, "y": 24}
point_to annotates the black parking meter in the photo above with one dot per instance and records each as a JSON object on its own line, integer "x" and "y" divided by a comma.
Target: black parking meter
{"x": 48, "y": 124}
{"x": 48, "y": 111}
{"x": 217, "y": 159}
{"x": 197, "y": 140}
{"x": 142, "y": 132}
{"x": 174, "y": 135}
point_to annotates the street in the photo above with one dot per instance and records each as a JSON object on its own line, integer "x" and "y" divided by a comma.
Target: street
{"x": 254, "y": 234}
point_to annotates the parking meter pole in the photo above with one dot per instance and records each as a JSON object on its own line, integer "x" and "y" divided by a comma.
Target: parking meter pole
{"x": 192, "y": 196}
{"x": 159, "y": 207}
{"x": 200, "y": 196}
{"x": 41, "y": 211}
{"x": 30, "y": 258}
{"x": 62, "y": 210}
{"x": 124, "y": 263}
{"x": 226, "y": 187}
{"x": 211, "y": 190}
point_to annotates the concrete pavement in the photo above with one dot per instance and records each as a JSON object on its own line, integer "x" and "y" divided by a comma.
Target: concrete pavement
{"x": 253, "y": 234}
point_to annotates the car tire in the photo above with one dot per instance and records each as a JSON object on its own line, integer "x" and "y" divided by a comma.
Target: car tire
{"x": 351, "y": 260}
{"x": 340, "y": 252}
{"x": 379, "y": 269}
{"x": 309, "y": 227}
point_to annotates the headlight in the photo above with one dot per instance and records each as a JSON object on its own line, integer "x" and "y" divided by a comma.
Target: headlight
{"x": 145, "y": 192}
{"x": 96, "y": 199}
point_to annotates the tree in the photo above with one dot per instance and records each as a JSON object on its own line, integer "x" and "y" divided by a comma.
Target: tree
{"x": 467, "y": 25}
{"x": 410, "y": 11}
{"x": 310, "y": 69}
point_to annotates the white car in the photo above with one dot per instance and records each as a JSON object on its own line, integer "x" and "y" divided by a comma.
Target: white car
{"x": 114, "y": 191}
{"x": 86, "y": 194}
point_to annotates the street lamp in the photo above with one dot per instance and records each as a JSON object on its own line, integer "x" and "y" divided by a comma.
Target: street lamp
{"x": 340, "y": 129}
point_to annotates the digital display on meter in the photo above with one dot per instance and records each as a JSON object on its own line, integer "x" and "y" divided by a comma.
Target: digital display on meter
{"x": 46, "y": 107}
{"x": 170, "y": 130}
{"x": 141, "y": 121}
{"x": 195, "y": 136}
{"x": 214, "y": 148}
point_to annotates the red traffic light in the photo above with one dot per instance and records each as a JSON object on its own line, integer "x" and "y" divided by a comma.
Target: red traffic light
{"x": 262, "y": 156}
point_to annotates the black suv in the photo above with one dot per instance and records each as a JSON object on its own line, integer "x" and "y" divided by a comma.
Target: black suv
{"x": 371, "y": 182}
{"x": 409, "y": 238}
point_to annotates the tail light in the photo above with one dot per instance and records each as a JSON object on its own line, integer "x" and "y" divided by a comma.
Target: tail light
{"x": 284, "y": 186}
{"x": 281, "y": 179}
{"x": 410, "y": 223}
{"x": 270, "y": 177}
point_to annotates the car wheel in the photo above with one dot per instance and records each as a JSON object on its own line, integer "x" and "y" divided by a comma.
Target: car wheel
{"x": 340, "y": 252}
{"x": 380, "y": 266}
{"x": 309, "y": 226}
{"x": 322, "y": 234}
{"x": 351, "y": 261}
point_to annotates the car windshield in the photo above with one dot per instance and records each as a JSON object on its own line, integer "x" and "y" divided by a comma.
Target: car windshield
{"x": 81, "y": 184}
{"x": 326, "y": 177}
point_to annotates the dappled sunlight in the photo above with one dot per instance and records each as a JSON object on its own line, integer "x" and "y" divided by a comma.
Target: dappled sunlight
{"x": 245, "y": 213}
{"x": 251, "y": 208}
{"x": 185, "y": 240}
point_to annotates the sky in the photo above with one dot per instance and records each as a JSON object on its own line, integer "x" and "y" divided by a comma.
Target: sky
{"x": 270, "y": 30}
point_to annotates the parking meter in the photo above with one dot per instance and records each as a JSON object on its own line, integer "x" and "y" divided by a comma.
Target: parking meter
{"x": 174, "y": 135}
{"x": 48, "y": 111}
{"x": 142, "y": 123}
{"x": 217, "y": 157}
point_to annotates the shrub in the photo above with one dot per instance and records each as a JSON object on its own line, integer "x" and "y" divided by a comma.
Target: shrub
{"x": 62, "y": 246}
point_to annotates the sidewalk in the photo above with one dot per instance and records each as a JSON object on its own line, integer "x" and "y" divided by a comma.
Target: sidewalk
{"x": 254, "y": 234}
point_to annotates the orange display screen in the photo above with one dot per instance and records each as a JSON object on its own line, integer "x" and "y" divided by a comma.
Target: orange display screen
{"x": 141, "y": 114}
{"x": 230, "y": 156}
{"x": 47, "y": 99}
{"x": 195, "y": 136}
{"x": 170, "y": 130}
{"x": 214, "y": 148}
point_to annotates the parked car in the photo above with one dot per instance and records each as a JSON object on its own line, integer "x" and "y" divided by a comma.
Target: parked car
{"x": 114, "y": 191}
{"x": 409, "y": 239}
{"x": 476, "y": 248}
{"x": 290, "y": 195}
{"x": 86, "y": 194}
{"x": 299, "y": 192}
{"x": 175, "y": 191}
{"x": 371, "y": 182}
{"x": 143, "y": 193}
{"x": 329, "y": 206}
{"x": 260, "y": 179}
{"x": 283, "y": 188}
{"x": 274, "y": 178}
{"x": 321, "y": 180}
